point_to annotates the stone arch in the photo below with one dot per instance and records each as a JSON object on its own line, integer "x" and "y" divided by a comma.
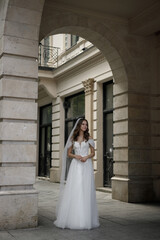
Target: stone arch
{"x": 100, "y": 34}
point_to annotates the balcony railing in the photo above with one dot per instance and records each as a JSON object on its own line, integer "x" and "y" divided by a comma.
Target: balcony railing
{"x": 48, "y": 56}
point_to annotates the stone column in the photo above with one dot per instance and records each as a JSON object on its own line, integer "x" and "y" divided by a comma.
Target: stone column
{"x": 18, "y": 114}
{"x": 88, "y": 89}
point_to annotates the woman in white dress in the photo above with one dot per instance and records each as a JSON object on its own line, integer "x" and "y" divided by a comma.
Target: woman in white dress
{"x": 77, "y": 208}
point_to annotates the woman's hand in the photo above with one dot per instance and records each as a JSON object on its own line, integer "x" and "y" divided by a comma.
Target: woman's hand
{"x": 84, "y": 159}
{"x": 79, "y": 157}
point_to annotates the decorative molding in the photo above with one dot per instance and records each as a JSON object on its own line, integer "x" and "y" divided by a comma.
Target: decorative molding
{"x": 88, "y": 86}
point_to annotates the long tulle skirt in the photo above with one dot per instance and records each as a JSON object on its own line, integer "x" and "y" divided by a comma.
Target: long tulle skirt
{"x": 78, "y": 208}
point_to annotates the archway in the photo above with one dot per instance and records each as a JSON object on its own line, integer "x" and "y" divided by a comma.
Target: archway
{"x": 19, "y": 38}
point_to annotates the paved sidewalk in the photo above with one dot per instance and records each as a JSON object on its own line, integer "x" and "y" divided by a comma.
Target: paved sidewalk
{"x": 119, "y": 221}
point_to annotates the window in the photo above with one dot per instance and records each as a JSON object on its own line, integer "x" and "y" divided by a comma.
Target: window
{"x": 74, "y": 109}
{"x": 45, "y": 137}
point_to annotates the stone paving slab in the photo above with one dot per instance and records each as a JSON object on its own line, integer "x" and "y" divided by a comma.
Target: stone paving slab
{"x": 118, "y": 220}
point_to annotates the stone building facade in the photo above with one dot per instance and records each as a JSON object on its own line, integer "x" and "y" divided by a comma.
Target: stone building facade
{"x": 129, "y": 39}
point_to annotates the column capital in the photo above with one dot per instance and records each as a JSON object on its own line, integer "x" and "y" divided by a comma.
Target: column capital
{"x": 88, "y": 86}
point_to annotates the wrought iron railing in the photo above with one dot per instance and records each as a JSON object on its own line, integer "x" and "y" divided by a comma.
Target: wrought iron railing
{"x": 48, "y": 56}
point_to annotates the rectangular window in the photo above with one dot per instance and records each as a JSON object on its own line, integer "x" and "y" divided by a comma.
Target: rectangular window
{"x": 45, "y": 137}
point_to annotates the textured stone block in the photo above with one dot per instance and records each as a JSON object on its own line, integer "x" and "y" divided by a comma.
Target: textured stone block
{"x": 140, "y": 169}
{"x": 55, "y": 174}
{"x": 17, "y": 175}
{"x": 18, "y": 110}
{"x": 56, "y": 116}
{"x": 23, "y": 15}
{"x": 55, "y": 139}
{"x": 20, "y": 46}
{"x": 55, "y": 147}
{"x": 55, "y": 163}
{"x": 120, "y": 154}
{"x": 18, "y": 88}
{"x": 155, "y": 128}
{"x": 155, "y": 115}
{"x": 119, "y": 88}
{"x": 138, "y": 114}
{"x": 55, "y": 155}
{"x": 18, "y": 131}
{"x": 20, "y": 153}
{"x": 120, "y": 168}
{"x": 120, "y": 189}
{"x": 21, "y": 30}
{"x": 139, "y": 155}
{"x": 139, "y": 100}
{"x": 120, "y": 141}
{"x": 55, "y": 123}
{"x": 120, "y": 127}
{"x": 18, "y": 209}
{"x": 29, "y": 4}
{"x": 155, "y": 141}
{"x": 139, "y": 141}
{"x": 56, "y": 108}
{"x": 19, "y": 66}
{"x": 139, "y": 128}
{"x": 120, "y": 101}
{"x": 120, "y": 114}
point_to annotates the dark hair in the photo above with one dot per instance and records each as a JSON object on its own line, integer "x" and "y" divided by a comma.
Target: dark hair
{"x": 77, "y": 130}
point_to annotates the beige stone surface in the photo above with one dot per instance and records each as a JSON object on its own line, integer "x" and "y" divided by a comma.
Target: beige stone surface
{"x": 18, "y": 110}
{"x": 55, "y": 147}
{"x": 17, "y": 153}
{"x": 120, "y": 141}
{"x": 22, "y": 30}
{"x": 18, "y": 131}
{"x": 36, "y": 5}
{"x": 120, "y": 127}
{"x": 20, "y": 46}
{"x": 19, "y": 88}
{"x": 121, "y": 168}
{"x": 120, "y": 114}
{"x": 120, "y": 101}
{"x": 23, "y": 15}
{"x": 55, "y": 174}
{"x": 121, "y": 154}
{"x": 120, "y": 189}
{"x": 17, "y": 175}
{"x": 120, "y": 88}
{"x": 19, "y": 66}
{"x": 19, "y": 209}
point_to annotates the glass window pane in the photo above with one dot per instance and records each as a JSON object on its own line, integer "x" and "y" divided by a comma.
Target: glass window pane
{"x": 76, "y": 106}
{"x": 108, "y": 104}
{"x": 109, "y": 132}
{"x": 46, "y": 116}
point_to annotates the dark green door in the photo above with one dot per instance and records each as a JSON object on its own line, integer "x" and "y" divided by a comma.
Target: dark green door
{"x": 45, "y": 141}
{"x": 107, "y": 133}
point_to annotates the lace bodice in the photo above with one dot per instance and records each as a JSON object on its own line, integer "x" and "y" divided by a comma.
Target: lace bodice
{"x": 83, "y": 147}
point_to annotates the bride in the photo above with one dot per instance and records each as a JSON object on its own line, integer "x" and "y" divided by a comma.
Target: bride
{"x": 77, "y": 208}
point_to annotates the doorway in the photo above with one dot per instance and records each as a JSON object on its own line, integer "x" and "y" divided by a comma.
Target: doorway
{"x": 45, "y": 140}
{"x": 107, "y": 133}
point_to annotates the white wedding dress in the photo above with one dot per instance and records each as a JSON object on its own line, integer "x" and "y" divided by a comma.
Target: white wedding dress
{"x": 78, "y": 208}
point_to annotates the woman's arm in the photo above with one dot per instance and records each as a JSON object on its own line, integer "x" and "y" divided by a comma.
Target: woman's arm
{"x": 71, "y": 155}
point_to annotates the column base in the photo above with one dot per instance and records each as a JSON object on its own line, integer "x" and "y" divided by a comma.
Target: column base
{"x": 55, "y": 175}
{"x": 18, "y": 209}
{"x": 133, "y": 191}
